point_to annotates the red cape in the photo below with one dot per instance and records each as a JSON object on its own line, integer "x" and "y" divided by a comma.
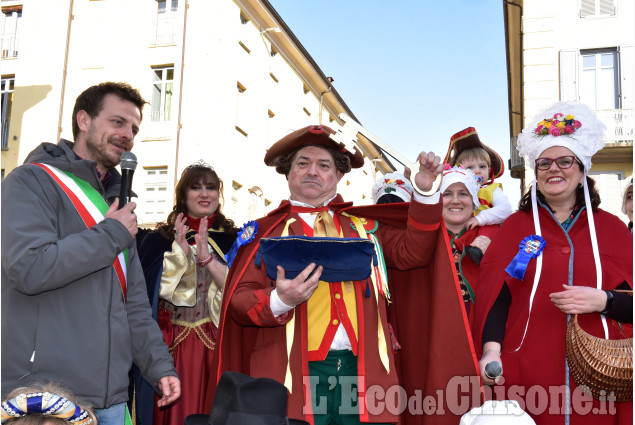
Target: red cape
{"x": 426, "y": 314}
{"x": 539, "y": 364}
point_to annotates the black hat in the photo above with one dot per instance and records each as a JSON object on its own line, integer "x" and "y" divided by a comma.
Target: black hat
{"x": 241, "y": 399}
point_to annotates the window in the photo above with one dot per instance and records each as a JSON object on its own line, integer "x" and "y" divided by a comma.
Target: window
{"x": 601, "y": 78}
{"x": 598, "y": 79}
{"x": 11, "y": 16}
{"x": 155, "y": 202}
{"x": 591, "y": 8}
{"x": 165, "y": 25}
{"x": 162, "y": 93}
{"x": 6, "y": 92}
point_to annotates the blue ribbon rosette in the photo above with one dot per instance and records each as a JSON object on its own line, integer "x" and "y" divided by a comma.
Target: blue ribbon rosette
{"x": 246, "y": 234}
{"x": 529, "y": 248}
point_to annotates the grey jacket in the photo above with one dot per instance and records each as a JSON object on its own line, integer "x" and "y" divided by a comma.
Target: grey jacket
{"x": 63, "y": 314}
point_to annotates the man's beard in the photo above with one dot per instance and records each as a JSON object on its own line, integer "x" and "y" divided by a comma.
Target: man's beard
{"x": 100, "y": 154}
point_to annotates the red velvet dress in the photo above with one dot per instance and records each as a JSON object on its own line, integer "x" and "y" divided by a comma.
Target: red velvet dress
{"x": 191, "y": 337}
{"x": 188, "y": 313}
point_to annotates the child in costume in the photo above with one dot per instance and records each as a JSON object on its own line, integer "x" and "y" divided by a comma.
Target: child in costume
{"x": 467, "y": 150}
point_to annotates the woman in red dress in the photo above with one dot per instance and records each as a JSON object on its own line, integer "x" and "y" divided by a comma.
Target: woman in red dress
{"x": 185, "y": 272}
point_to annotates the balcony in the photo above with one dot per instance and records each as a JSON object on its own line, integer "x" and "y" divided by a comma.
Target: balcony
{"x": 165, "y": 115}
{"x": 165, "y": 30}
{"x": 9, "y": 47}
{"x": 619, "y": 124}
{"x": 516, "y": 162}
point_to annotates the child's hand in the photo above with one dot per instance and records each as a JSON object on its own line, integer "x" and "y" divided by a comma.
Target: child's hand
{"x": 471, "y": 223}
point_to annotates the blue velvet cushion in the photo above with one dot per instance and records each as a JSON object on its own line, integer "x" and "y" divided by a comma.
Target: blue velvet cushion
{"x": 343, "y": 259}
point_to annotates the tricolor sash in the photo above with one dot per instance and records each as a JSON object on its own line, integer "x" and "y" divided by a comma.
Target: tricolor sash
{"x": 91, "y": 207}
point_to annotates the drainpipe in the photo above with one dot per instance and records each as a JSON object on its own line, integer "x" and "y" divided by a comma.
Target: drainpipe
{"x": 178, "y": 128}
{"x": 68, "y": 41}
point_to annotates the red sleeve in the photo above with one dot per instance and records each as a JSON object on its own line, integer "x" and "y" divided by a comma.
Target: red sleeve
{"x": 249, "y": 305}
{"x": 410, "y": 248}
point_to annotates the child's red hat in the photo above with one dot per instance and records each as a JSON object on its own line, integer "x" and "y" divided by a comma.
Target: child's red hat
{"x": 468, "y": 138}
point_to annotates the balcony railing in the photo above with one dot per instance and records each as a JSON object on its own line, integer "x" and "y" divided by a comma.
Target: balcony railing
{"x": 515, "y": 160}
{"x": 9, "y": 47}
{"x": 619, "y": 128}
{"x": 165, "y": 30}
{"x": 161, "y": 115}
{"x": 619, "y": 124}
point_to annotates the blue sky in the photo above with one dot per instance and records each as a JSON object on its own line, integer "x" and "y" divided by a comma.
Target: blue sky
{"x": 413, "y": 72}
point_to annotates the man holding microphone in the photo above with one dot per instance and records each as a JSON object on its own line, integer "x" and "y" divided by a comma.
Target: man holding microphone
{"x": 74, "y": 304}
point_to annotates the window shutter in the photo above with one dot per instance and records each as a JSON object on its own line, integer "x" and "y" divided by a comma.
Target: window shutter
{"x": 587, "y": 8}
{"x": 626, "y": 76}
{"x": 568, "y": 74}
{"x": 607, "y": 7}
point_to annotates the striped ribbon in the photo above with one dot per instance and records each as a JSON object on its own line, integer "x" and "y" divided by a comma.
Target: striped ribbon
{"x": 91, "y": 207}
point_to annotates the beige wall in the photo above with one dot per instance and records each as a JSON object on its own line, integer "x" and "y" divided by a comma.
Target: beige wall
{"x": 550, "y": 27}
{"x": 106, "y": 44}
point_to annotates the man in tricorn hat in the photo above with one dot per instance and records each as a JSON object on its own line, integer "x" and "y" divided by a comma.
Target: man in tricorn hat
{"x": 329, "y": 342}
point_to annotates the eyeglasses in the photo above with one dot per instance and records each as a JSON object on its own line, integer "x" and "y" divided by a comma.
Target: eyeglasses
{"x": 563, "y": 162}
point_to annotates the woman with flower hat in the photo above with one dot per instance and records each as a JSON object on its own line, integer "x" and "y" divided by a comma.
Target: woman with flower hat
{"x": 558, "y": 256}
{"x": 185, "y": 269}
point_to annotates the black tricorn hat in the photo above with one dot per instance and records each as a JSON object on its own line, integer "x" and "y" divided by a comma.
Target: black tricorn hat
{"x": 241, "y": 399}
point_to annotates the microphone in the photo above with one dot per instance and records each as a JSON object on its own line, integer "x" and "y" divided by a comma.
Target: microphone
{"x": 128, "y": 164}
{"x": 493, "y": 370}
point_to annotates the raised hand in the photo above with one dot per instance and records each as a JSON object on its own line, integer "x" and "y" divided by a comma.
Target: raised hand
{"x": 202, "y": 247}
{"x": 180, "y": 231}
{"x": 430, "y": 166}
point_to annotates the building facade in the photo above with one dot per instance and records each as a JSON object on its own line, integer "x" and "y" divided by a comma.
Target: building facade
{"x": 574, "y": 50}
{"x": 224, "y": 80}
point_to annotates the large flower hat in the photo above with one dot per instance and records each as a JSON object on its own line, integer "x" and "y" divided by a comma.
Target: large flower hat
{"x": 572, "y": 125}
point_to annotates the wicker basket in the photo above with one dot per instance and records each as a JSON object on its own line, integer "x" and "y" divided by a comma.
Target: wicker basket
{"x": 603, "y": 366}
